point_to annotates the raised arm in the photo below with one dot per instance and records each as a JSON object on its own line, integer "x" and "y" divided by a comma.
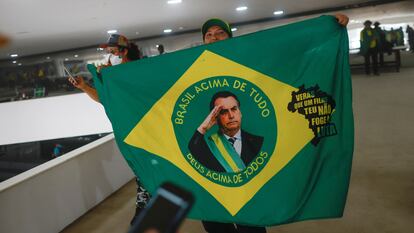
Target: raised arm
{"x": 81, "y": 84}
{"x": 342, "y": 19}
{"x": 210, "y": 120}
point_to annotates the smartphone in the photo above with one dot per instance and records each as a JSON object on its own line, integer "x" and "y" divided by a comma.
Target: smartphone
{"x": 165, "y": 211}
{"x": 70, "y": 75}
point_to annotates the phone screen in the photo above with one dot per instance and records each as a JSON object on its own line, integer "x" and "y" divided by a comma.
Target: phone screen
{"x": 68, "y": 72}
{"x": 165, "y": 212}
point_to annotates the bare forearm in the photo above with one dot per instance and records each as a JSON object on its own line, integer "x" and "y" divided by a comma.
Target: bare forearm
{"x": 91, "y": 92}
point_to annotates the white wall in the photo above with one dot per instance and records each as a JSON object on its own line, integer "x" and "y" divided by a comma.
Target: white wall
{"x": 51, "y": 118}
{"x": 49, "y": 197}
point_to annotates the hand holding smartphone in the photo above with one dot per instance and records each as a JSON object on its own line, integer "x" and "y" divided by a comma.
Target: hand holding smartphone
{"x": 71, "y": 78}
{"x": 165, "y": 212}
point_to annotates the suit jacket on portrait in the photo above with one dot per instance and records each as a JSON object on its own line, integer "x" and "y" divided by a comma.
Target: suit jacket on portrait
{"x": 251, "y": 145}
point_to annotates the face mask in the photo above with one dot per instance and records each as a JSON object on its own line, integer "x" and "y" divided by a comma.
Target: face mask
{"x": 115, "y": 60}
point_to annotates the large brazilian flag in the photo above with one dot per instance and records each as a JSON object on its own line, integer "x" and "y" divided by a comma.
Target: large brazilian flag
{"x": 294, "y": 88}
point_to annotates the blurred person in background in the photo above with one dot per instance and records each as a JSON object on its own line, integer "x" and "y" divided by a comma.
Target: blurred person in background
{"x": 400, "y": 36}
{"x": 160, "y": 49}
{"x": 410, "y": 33}
{"x": 120, "y": 51}
{"x": 57, "y": 150}
{"x": 381, "y": 42}
{"x": 369, "y": 47}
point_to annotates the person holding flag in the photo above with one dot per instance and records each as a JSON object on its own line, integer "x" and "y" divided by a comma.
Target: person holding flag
{"x": 214, "y": 30}
{"x": 120, "y": 51}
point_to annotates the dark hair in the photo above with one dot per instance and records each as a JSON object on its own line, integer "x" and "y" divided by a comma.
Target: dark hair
{"x": 133, "y": 52}
{"x": 161, "y": 49}
{"x": 222, "y": 94}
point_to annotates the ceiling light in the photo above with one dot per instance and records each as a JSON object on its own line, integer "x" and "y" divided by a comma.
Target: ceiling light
{"x": 19, "y": 64}
{"x": 47, "y": 58}
{"x": 14, "y": 55}
{"x": 181, "y": 28}
{"x": 241, "y": 8}
{"x": 174, "y": 1}
{"x": 157, "y": 45}
{"x": 234, "y": 29}
{"x": 76, "y": 55}
{"x": 14, "y": 62}
{"x": 136, "y": 33}
{"x": 167, "y": 30}
{"x": 111, "y": 31}
{"x": 66, "y": 59}
{"x": 278, "y": 13}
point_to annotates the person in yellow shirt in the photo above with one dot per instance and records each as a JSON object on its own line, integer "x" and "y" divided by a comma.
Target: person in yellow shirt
{"x": 369, "y": 39}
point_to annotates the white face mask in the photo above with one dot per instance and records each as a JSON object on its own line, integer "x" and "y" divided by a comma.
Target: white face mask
{"x": 115, "y": 60}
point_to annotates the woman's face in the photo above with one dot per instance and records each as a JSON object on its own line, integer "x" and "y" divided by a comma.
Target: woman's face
{"x": 116, "y": 56}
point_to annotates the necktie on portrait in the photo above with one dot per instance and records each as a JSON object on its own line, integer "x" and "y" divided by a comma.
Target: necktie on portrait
{"x": 232, "y": 140}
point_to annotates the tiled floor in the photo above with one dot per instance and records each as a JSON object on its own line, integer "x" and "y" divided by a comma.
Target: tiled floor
{"x": 381, "y": 194}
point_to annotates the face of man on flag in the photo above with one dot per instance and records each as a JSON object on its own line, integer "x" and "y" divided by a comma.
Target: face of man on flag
{"x": 229, "y": 117}
{"x": 229, "y": 148}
